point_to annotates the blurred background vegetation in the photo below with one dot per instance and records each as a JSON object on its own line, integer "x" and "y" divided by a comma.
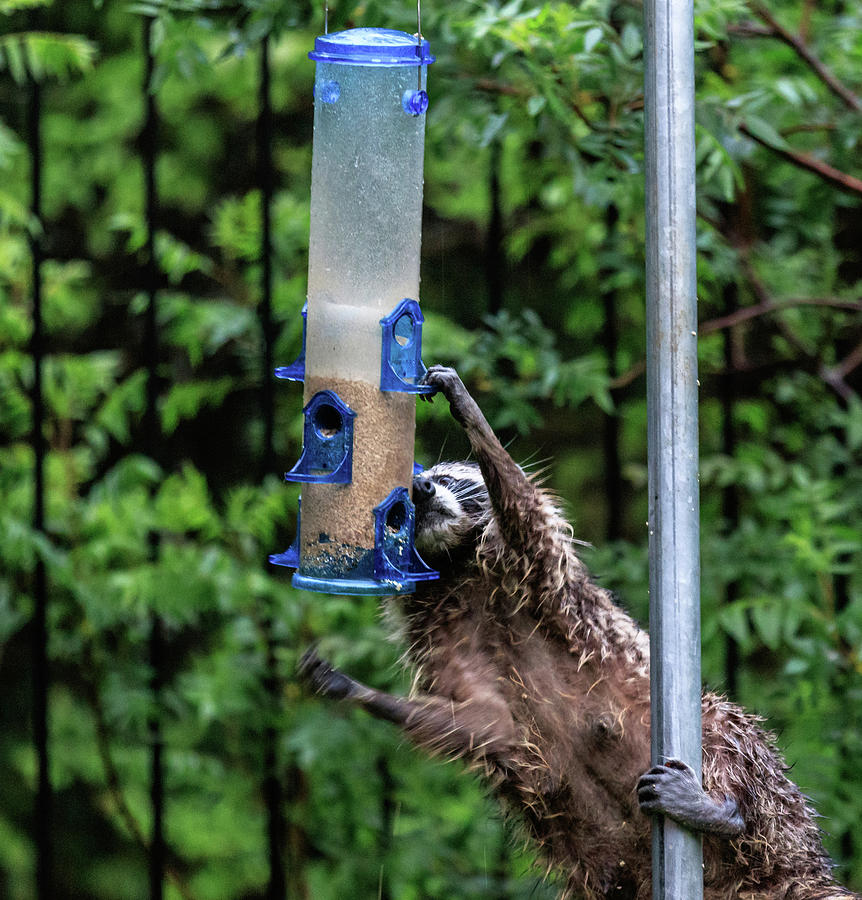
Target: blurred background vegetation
{"x": 181, "y": 756}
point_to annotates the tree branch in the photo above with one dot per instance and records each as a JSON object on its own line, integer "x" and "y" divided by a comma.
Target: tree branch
{"x": 490, "y": 86}
{"x": 810, "y": 163}
{"x": 624, "y": 379}
{"x": 765, "y": 306}
{"x": 807, "y": 128}
{"x": 834, "y": 375}
{"x": 749, "y": 29}
{"x": 850, "y": 362}
{"x": 805, "y": 53}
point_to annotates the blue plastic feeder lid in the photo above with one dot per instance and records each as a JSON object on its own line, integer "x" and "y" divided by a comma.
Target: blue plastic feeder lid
{"x": 372, "y": 47}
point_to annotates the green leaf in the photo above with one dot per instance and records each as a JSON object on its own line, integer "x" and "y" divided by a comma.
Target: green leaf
{"x": 495, "y": 125}
{"x": 42, "y": 54}
{"x": 186, "y": 400}
{"x": 183, "y": 505}
{"x": 631, "y": 40}
{"x": 7, "y": 7}
{"x": 765, "y": 132}
{"x": 123, "y": 405}
{"x": 535, "y": 105}
{"x": 592, "y": 38}
{"x": 735, "y": 622}
{"x": 767, "y": 620}
{"x": 177, "y": 260}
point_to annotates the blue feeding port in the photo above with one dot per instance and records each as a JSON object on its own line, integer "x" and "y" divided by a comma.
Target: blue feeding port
{"x": 361, "y": 363}
{"x": 290, "y": 557}
{"x": 327, "y": 442}
{"x": 395, "y": 557}
{"x": 401, "y": 367}
{"x": 296, "y": 370}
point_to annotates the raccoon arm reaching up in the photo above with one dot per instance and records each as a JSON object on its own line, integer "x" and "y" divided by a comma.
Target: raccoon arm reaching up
{"x": 520, "y": 510}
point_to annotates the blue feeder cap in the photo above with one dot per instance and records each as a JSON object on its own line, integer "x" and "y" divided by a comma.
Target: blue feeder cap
{"x": 371, "y": 47}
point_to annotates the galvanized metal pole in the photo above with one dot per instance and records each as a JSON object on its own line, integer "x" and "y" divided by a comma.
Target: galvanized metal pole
{"x": 672, "y": 424}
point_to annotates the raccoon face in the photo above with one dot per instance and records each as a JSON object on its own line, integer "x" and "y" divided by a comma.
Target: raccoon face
{"x": 452, "y": 507}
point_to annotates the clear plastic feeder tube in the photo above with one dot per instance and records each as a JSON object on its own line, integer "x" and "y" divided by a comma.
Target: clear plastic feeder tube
{"x": 364, "y": 248}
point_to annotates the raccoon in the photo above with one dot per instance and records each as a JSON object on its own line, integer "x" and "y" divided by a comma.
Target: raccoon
{"x": 531, "y": 672}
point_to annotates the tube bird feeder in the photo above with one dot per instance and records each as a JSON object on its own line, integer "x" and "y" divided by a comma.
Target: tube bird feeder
{"x": 361, "y": 361}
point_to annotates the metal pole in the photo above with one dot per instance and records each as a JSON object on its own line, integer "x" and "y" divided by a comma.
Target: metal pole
{"x": 672, "y": 424}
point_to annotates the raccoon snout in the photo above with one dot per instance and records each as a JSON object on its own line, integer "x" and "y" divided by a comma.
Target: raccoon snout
{"x": 423, "y": 488}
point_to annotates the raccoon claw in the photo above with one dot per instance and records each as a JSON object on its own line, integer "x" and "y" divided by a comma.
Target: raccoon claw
{"x": 447, "y": 381}
{"x": 322, "y": 678}
{"x": 444, "y": 379}
{"x": 674, "y": 790}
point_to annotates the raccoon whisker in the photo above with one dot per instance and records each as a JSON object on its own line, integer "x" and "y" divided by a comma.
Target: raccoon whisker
{"x": 531, "y": 462}
{"x": 442, "y": 448}
{"x": 510, "y": 442}
{"x": 468, "y": 494}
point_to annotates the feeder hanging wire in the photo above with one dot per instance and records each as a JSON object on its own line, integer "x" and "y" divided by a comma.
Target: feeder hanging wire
{"x": 418, "y": 32}
{"x": 419, "y": 43}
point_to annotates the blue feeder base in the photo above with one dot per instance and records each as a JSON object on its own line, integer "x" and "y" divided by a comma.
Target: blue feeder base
{"x": 392, "y": 567}
{"x": 363, "y": 587}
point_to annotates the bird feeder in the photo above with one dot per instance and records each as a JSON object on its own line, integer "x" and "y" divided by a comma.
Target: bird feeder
{"x": 361, "y": 362}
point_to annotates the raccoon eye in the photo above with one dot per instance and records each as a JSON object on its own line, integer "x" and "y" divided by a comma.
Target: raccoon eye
{"x": 445, "y": 480}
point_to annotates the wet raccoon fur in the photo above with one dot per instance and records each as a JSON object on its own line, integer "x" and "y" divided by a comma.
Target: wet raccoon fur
{"x": 531, "y": 672}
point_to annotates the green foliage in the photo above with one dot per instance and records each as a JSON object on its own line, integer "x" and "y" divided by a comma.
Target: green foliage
{"x": 548, "y": 98}
{"x": 39, "y": 55}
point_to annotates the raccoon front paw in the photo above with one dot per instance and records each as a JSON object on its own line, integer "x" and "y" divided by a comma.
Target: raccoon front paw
{"x": 673, "y": 789}
{"x": 668, "y": 788}
{"x": 323, "y": 678}
{"x": 447, "y": 381}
